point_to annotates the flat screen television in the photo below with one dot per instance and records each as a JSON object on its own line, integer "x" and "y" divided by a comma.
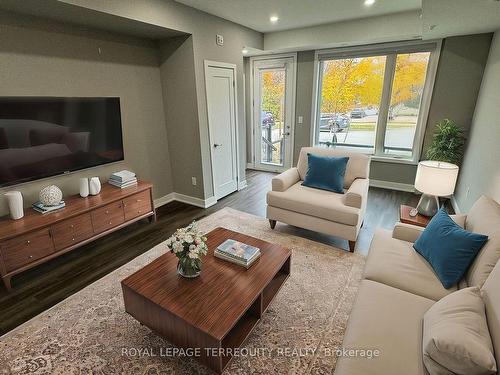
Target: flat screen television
{"x": 46, "y": 136}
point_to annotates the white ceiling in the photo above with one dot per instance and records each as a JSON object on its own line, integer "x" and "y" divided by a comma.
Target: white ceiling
{"x": 297, "y": 13}
{"x": 443, "y": 18}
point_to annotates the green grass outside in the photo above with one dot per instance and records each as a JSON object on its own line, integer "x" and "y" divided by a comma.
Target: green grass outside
{"x": 364, "y": 126}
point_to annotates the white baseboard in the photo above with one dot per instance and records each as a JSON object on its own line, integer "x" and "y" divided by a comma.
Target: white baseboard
{"x": 454, "y": 204}
{"x": 242, "y": 185}
{"x": 392, "y": 185}
{"x": 250, "y": 166}
{"x": 198, "y": 202}
{"x": 158, "y": 202}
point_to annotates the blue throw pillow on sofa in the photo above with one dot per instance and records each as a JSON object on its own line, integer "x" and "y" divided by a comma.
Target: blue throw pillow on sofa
{"x": 448, "y": 248}
{"x": 326, "y": 172}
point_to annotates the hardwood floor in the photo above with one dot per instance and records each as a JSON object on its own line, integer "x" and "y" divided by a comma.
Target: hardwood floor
{"x": 42, "y": 287}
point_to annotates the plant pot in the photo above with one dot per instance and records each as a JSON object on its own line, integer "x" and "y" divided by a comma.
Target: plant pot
{"x": 189, "y": 268}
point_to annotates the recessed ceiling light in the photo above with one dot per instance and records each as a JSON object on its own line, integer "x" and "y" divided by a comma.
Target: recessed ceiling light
{"x": 369, "y": 2}
{"x": 273, "y": 19}
{"x": 244, "y": 51}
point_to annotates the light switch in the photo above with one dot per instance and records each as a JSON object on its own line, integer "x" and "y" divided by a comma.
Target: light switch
{"x": 300, "y": 119}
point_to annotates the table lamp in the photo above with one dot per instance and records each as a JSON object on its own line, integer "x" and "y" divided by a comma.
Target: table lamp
{"x": 434, "y": 179}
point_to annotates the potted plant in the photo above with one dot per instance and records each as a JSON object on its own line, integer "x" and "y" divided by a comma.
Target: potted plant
{"x": 448, "y": 143}
{"x": 189, "y": 245}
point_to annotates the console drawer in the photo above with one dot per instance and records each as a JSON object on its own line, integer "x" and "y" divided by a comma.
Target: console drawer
{"x": 107, "y": 217}
{"x": 72, "y": 231}
{"x": 27, "y": 248}
{"x": 137, "y": 205}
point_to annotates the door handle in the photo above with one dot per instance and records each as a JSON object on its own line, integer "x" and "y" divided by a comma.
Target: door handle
{"x": 287, "y": 133}
{"x": 217, "y": 145}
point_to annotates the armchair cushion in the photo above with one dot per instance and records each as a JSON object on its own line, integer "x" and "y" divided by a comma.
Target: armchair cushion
{"x": 286, "y": 179}
{"x": 326, "y": 173}
{"x": 357, "y": 193}
{"x": 315, "y": 202}
{"x": 358, "y": 165}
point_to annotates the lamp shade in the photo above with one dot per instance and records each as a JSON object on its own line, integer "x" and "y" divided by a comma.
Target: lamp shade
{"x": 436, "y": 178}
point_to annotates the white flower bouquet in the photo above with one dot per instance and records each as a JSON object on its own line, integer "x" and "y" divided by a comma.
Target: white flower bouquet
{"x": 189, "y": 245}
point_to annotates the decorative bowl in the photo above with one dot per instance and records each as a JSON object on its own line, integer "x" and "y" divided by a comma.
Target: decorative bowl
{"x": 50, "y": 195}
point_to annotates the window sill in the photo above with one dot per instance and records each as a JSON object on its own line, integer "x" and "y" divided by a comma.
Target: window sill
{"x": 386, "y": 159}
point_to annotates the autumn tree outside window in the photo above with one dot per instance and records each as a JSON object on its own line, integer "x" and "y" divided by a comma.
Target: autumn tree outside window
{"x": 375, "y": 100}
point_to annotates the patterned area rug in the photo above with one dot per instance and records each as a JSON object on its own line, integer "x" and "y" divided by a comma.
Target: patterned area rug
{"x": 90, "y": 333}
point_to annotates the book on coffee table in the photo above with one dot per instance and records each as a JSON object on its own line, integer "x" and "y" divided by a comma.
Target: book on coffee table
{"x": 237, "y": 252}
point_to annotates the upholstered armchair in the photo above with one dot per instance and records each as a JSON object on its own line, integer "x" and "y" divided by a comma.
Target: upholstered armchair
{"x": 320, "y": 210}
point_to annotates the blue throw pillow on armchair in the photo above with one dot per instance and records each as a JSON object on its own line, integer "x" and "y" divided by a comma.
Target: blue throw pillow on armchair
{"x": 448, "y": 248}
{"x": 326, "y": 172}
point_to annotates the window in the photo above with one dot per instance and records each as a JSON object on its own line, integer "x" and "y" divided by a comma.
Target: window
{"x": 374, "y": 101}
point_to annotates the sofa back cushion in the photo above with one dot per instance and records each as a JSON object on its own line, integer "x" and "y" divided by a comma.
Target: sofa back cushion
{"x": 491, "y": 297}
{"x": 484, "y": 218}
{"x": 358, "y": 165}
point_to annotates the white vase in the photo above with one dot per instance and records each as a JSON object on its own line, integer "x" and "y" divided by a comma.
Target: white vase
{"x": 84, "y": 187}
{"x": 15, "y": 202}
{"x": 94, "y": 186}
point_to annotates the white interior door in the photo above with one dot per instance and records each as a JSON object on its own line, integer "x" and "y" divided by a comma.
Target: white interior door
{"x": 273, "y": 116}
{"x": 221, "y": 103}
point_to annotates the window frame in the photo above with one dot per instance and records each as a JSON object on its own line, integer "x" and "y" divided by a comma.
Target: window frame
{"x": 390, "y": 50}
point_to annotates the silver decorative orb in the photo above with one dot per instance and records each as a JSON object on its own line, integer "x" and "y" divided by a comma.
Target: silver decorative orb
{"x": 51, "y": 195}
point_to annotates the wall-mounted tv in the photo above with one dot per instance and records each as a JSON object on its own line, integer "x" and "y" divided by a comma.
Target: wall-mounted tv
{"x": 47, "y": 136}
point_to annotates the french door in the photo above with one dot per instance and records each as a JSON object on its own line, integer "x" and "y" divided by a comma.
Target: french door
{"x": 273, "y": 113}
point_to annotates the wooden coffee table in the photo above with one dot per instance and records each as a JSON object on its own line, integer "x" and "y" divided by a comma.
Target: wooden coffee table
{"x": 215, "y": 311}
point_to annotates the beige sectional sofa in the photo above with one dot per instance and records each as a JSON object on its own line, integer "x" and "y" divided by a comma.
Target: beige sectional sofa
{"x": 320, "y": 210}
{"x": 399, "y": 286}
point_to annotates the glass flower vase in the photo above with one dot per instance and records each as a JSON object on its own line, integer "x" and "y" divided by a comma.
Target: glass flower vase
{"x": 189, "y": 268}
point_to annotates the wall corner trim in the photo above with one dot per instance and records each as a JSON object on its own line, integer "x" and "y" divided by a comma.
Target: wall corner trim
{"x": 242, "y": 185}
{"x": 198, "y": 202}
{"x": 392, "y": 185}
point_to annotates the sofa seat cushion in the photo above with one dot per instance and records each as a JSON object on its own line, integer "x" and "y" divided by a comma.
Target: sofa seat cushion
{"x": 314, "y": 202}
{"x": 394, "y": 262}
{"x": 389, "y": 320}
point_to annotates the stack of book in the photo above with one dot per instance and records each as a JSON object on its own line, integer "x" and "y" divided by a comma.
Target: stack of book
{"x": 39, "y": 207}
{"x": 237, "y": 253}
{"x": 123, "y": 179}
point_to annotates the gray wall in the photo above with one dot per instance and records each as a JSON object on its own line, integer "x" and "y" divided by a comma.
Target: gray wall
{"x": 181, "y": 113}
{"x": 456, "y": 87}
{"x": 40, "y": 62}
{"x": 458, "y": 80}
{"x": 480, "y": 171}
{"x": 203, "y": 27}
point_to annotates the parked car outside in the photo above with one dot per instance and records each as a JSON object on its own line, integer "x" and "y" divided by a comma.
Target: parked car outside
{"x": 334, "y": 121}
{"x": 358, "y": 113}
{"x": 267, "y": 119}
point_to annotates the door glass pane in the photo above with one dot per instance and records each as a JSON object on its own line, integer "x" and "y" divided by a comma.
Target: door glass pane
{"x": 351, "y": 91}
{"x": 272, "y": 116}
{"x": 404, "y": 108}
